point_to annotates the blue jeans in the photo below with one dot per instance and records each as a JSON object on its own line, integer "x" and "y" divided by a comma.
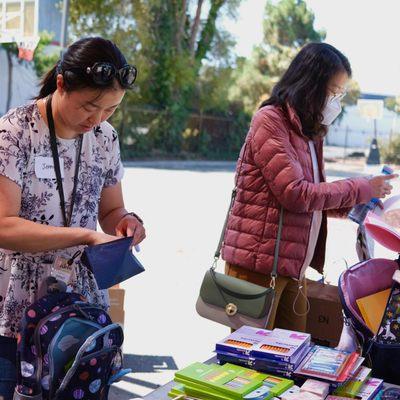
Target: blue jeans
{"x": 8, "y": 367}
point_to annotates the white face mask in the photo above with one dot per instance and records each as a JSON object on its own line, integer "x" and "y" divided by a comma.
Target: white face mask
{"x": 331, "y": 110}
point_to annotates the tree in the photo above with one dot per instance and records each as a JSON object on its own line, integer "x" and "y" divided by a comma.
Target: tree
{"x": 43, "y": 60}
{"x": 169, "y": 41}
{"x": 393, "y": 104}
{"x": 176, "y": 42}
{"x": 288, "y": 25}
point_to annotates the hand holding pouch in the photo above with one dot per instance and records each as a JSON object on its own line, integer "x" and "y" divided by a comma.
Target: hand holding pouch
{"x": 112, "y": 262}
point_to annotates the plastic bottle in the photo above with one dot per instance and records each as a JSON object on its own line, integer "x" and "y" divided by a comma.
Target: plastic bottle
{"x": 360, "y": 211}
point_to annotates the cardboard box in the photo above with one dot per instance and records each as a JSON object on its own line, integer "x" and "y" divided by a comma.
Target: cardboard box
{"x": 118, "y": 316}
{"x": 116, "y": 311}
{"x": 117, "y": 297}
{"x": 325, "y": 318}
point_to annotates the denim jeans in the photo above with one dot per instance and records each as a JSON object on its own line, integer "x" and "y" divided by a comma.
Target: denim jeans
{"x": 8, "y": 369}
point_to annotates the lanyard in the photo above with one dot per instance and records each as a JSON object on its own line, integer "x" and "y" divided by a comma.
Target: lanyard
{"x": 56, "y": 160}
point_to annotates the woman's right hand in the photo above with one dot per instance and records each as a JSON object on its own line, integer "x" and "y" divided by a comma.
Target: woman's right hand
{"x": 99, "y": 238}
{"x": 380, "y": 185}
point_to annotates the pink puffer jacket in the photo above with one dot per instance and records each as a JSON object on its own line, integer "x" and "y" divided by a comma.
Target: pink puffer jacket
{"x": 274, "y": 169}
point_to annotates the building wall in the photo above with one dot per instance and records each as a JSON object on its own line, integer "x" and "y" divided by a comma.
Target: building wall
{"x": 50, "y": 17}
{"x": 24, "y": 82}
{"x": 360, "y": 131}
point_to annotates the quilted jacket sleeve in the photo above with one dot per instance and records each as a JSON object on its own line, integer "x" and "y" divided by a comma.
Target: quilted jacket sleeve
{"x": 340, "y": 213}
{"x": 278, "y": 161}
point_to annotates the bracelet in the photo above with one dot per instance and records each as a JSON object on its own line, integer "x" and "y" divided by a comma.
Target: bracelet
{"x": 132, "y": 214}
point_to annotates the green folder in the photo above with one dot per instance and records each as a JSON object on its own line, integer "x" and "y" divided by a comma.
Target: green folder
{"x": 231, "y": 380}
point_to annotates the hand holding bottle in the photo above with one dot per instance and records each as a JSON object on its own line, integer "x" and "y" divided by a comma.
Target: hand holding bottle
{"x": 381, "y": 186}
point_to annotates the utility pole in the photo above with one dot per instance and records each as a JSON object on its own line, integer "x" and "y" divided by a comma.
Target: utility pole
{"x": 64, "y": 26}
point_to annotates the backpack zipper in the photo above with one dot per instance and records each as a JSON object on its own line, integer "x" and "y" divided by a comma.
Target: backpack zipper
{"x": 78, "y": 357}
{"x": 50, "y": 352}
{"x": 36, "y": 335}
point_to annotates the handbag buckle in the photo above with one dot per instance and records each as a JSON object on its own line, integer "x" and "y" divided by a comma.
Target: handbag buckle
{"x": 231, "y": 309}
{"x": 273, "y": 282}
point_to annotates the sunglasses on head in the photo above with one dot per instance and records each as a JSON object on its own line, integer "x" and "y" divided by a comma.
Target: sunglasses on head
{"x": 103, "y": 73}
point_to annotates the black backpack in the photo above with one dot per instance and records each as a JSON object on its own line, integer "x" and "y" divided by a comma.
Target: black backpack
{"x": 67, "y": 349}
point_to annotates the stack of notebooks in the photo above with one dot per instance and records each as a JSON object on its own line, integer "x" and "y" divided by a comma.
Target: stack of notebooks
{"x": 227, "y": 382}
{"x": 257, "y": 364}
{"x": 278, "y": 351}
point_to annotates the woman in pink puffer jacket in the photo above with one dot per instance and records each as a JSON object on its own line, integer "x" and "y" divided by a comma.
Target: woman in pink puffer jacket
{"x": 281, "y": 167}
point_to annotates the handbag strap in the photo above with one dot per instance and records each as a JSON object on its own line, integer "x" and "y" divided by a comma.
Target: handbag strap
{"x": 233, "y": 196}
{"x": 274, "y": 272}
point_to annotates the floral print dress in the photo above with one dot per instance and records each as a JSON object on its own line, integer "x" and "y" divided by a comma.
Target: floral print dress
{"x": 25, "y": 138}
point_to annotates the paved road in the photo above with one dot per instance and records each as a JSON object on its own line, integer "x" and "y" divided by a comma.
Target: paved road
{"x": 183, "y": 206}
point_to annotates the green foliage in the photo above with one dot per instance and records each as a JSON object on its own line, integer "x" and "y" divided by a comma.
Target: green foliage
{"x": 353, "y": 93}
{"x": 390, "y": 151}
{"x": 288, "y": 25}
{"x": 250, "y": 85}
{"x": 210, "y": 94}
{"x": 193, "y": 98}
{"x": 195, "y": 142}
{"x": 169, "y": 42}
{"x": 43, "y": 59}
{"x": 11, "y": 48}
{"x": 393, "y": 104}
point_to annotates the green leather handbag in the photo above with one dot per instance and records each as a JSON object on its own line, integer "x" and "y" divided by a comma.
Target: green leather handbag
{"x": 235, "y": 302}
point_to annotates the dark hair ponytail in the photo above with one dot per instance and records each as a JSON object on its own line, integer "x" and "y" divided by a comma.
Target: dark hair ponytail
{"x": 48, "y": 84}
{"x": 79, "y": 56}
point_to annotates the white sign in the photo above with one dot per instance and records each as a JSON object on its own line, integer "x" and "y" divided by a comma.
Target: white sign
{"x": 371, "y": 109}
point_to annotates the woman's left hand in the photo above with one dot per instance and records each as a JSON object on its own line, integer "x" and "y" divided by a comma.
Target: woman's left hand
{"x": 131, "y": 226}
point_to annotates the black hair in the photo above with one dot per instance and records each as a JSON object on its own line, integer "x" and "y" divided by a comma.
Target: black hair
{"x": 80, "y": 55}
{"x": 304, "y": 85}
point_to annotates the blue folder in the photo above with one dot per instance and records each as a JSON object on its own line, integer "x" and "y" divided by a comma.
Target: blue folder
{"x": 112, "y": 262}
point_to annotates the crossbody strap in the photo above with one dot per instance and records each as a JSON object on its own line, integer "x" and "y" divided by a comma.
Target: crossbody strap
{"x": 233, "y": 196}
{"x": 274, "y": 272}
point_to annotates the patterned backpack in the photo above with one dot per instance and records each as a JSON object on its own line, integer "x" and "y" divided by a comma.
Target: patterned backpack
{"x": 67, "y": 349}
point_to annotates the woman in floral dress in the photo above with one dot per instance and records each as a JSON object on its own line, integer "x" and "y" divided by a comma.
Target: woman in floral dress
{"x": 77, "y": 97}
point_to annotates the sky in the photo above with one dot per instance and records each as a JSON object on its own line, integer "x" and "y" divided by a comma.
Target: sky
{"x": 366, "y": 31}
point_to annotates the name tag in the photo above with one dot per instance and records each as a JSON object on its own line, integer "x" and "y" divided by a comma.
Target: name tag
{"x": 44, "y": 167}
{"x": 62, "y": 270}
